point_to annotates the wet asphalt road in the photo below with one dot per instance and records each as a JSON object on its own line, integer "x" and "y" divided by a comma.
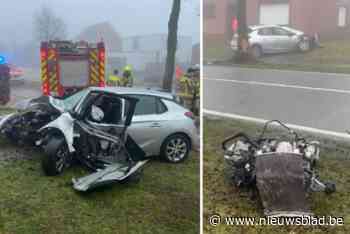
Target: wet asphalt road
{"x": 316, "y": 100}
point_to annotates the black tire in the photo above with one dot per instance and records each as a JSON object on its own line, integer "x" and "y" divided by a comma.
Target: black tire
{"x": 181, "y": 148}
{"x": 256, "y": 51}
{"x": 55, "y": 149}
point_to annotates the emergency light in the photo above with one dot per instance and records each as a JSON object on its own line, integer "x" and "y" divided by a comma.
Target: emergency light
{"x": 2, "y": 59}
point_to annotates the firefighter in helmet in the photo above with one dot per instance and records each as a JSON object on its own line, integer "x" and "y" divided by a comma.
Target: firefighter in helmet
{"x": 4, "y": 82}
{"x": 128, "y": 79}
{"x": 190, "y": 86}
{"x": 114, "y": 80}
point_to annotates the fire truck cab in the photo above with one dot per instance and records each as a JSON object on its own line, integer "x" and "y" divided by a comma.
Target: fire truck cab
{"x": 67, "y": 67}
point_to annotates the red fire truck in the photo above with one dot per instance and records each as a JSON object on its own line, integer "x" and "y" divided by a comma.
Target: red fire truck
{"x": 67, "y": 67}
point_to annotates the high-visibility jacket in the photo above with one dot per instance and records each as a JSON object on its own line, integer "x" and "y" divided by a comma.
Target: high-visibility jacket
{"x": 114, "y": 78}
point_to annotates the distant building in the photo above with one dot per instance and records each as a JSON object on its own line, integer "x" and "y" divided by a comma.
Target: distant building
{"x": 155, "y": 47}
{"x": 147, "y": 54}
{"x": 329, "y": 18}
{"x": 217, "y": 20}
{"x": 103, "y": 31}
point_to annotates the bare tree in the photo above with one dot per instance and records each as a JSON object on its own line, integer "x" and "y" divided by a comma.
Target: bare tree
{"x": 48, "y": 26}
{"x": 171, "y": 45}
{"x": 243, "y": 54}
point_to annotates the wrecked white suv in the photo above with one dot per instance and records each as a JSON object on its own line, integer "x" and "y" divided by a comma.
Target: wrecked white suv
{"x": 112, "y": 131}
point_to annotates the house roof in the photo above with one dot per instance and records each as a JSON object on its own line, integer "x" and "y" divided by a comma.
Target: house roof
{"x": 103, "y": 31}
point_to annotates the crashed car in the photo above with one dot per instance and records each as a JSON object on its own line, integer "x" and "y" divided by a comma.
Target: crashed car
{"x": 93, "y": 127}
{"x": 282, "y": 171}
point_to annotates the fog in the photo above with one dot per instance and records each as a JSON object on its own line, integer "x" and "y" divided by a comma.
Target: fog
{"x": 128, "y": 17}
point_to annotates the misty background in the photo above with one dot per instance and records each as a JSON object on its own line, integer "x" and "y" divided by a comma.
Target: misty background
{"x": 128, "y": 18}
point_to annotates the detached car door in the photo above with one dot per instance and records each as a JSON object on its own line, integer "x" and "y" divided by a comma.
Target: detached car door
{"x": 149, "y": 123}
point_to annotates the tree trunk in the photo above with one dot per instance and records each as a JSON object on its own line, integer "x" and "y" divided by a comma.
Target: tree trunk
{"x": 243, "y": 40}
{"x": 171, "y": 46}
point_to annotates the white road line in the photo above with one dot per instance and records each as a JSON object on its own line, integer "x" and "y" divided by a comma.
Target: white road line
{"x": 343, "y": 91}
{"x": 293, "y": 126}
{"x": 284, "y": 71}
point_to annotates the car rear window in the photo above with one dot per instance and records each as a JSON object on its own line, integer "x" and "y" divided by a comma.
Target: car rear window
{"x": 265, "y": 31}
{"x": 161, "y": 108}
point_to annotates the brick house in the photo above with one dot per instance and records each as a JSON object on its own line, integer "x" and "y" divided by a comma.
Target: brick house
{"x": 217, "y": 18}
{"x": 329, "y": 18}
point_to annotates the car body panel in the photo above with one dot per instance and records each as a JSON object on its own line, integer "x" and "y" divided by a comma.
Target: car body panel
{"x": 281, "y": 39}
{"x": 113, "y": 173}
{"x": 64, "y": 124}
{"x": 157, "y": 127}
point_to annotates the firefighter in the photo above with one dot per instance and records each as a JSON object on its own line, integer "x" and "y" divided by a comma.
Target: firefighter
{"x": 128, "y": 79}
{"x": 190, "y": 86}
{"x": 114, "y": 80}
{"x": 4, "y": 84}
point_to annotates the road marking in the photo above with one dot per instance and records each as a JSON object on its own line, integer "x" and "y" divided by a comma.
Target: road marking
{"x": 343, "y": 91}
{"x": 280, "y": 70}
{"x": 293, "y": 126}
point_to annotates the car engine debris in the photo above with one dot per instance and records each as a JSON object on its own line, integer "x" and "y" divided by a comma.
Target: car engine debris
{"x": 282, "y": 171}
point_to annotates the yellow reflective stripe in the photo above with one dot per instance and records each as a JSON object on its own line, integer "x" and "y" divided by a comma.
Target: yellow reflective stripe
{"x": 93, "y": 54}
{"x": 43, "y": 64}
{"x": 94, "y": 78}
{"x": 94, "y": 70}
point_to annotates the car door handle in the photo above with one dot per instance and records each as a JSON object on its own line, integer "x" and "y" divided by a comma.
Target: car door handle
{"x": 155, "y": 125}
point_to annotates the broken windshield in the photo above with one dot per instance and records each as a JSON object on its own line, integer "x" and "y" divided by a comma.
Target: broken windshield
{"x": 70, "y": 102}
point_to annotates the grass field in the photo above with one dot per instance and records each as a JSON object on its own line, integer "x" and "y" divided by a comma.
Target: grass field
{"x": 166, "y": 200}
{"x": 220, "y": 197}
{"x": 333, "y": 57}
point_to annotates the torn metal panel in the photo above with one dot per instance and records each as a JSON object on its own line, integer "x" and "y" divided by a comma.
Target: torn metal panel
{"x": 280, "y": 180}
{"x": 111, "y": 174}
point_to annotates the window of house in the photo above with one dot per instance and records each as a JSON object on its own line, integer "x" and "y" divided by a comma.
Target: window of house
{"x": 209, "y": 11}
{"x": 342, "y": 16}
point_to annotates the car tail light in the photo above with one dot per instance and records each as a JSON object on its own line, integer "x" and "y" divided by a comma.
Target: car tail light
{"x": 189, "y": 114}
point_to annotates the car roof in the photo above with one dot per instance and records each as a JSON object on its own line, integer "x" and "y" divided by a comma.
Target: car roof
{"x": 139, "y": 91}
{"x": 255, "y": 27}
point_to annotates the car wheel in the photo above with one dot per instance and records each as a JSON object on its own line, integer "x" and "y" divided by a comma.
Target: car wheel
{"x": 176, "y": 148}
{"x": 56, "y": 157}
{"x": 304, "y": 45}
{"x": 256, "y": 51}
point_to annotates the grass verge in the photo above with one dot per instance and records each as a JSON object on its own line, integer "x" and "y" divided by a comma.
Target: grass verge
{"x": 220, "y": 197}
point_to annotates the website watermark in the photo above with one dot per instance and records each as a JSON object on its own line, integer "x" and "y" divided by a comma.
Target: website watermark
{"x": 216, "y": 220}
